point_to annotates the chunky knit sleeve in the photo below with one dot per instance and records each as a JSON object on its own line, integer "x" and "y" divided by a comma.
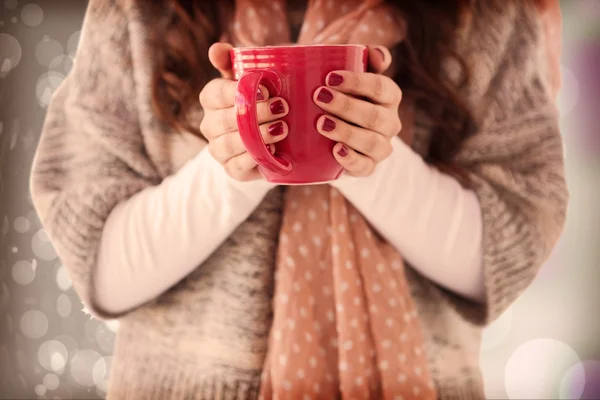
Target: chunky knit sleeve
{"x": 91, "y": 152}
{"x": 516, "y": 163}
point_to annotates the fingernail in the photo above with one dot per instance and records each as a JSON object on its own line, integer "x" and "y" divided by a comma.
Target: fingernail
{"x": 335, "y": 79}
{"x": 277, "y": 107}
{"x": 325, "y": 96}
{"x": 259, "y": 95}
{"x": 380, "y": 52}
{"x": 276, "y": 129}
{"x": 328, "y": 125}
{"x": 343, "y": 151}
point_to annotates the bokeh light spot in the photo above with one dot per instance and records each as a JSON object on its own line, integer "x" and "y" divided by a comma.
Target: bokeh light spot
{"x": 32, "y": 15}
{"x": 40, "y": 390}
{"x": 73, "y": 43}
{"x": 46, "y": 86}
{"x": 23, "y": 272}
{"x": 63, "y": 305}
{"x": 62, "y": 278}
{"x": 51, "y": 381}
{"x": 61, "y": 64}
{"x": 534, "y": 370}
{"x": 10, "y": 54}
{"x": 34, "y": 324}
{"x": 568, "y": 96}
{"x": 53, "y": 355}
{"x": 581, "y": 381}
{"x": 82, "y": 367}
{"x": 47, "y": 50}
{"x": 41, "y": 246}
{"x": 21, "y": 224}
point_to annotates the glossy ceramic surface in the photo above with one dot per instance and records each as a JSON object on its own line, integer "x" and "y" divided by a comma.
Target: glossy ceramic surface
{"x": 293, "y": 73}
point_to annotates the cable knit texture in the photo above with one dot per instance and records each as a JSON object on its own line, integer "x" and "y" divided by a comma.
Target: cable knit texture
{"x": 206, "y": 338}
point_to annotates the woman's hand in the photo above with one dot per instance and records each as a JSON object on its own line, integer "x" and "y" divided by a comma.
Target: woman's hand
{"x": 219, "y": 124}
{"x": 365, "y": 106}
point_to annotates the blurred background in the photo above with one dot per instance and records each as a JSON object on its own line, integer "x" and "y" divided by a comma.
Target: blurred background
{"x": 546, "y": 346}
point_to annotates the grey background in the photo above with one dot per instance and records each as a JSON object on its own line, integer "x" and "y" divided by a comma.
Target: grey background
{"x": 545, "y": 346}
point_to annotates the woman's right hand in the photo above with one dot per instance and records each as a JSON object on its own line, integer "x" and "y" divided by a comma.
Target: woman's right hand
{"x": 219, "y": 125}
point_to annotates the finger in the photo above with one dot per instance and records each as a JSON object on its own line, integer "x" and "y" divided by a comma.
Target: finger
{"x": 369, "y": 143}
{"x": 242, "y": 168}
{"x": 230, "y": 145}
{"x": 378, "y": 88}
{"x": 380, "y": 59}
{"x": 219, "y": 122}
{"x": 354, "y": 163}
{"x": 218, "y": 94}
{"x": 371, "y": 116}
{"x": 218, "y": 55}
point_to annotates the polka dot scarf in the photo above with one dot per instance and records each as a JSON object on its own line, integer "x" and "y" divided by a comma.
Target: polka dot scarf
{"x": 345, "y": 325}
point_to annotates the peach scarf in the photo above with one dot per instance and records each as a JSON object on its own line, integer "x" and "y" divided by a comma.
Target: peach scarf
{"x": 345, "y": 325}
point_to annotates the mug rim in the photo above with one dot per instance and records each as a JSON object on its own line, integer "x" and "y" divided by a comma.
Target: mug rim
{"x": 299, "y": 46}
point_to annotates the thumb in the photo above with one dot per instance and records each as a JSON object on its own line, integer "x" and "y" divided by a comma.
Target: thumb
{"x": 218, "y": 55}
{"x": 380, "y": 59}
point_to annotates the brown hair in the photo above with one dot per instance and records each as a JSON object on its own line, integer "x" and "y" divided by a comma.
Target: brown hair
{"x": 182, "y": 67}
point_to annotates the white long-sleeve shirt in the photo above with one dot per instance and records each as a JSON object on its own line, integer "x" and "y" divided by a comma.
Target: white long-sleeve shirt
{"x": 150, "y": 242}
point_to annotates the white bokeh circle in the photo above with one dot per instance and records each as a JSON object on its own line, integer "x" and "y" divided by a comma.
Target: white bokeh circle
{"x": 40, "y": 390}
{"x": 21, "y": 224}
{"x": 61, "y": 64}
{"x": 51, "y": 381}
{"x": 42, "y": 247}
{"x": 82, "y": 367}
{"x": 47, "y": 85}
{"x": 23, "y": 272}
{"x": 534, "y": 370}
{"x": 101, "y": 374}
{"x": 10, "y": 56}
{"x": 47, "y": 50}
{"x": 69, "y": 343}
{"x": 573, "y": 383}
{"x": 582, "y": 381}
{"x": 569, "y": 93}
{"x": 52, "y": 356}
{"x": 63, "y": 305}
{"x": 32, "y": 14}
{"x": 34, "y": 324}
{"x": 73, "y": 43}
{"x": 62, "y": 278}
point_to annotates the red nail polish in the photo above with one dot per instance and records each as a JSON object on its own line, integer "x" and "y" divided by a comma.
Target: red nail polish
{"x": 335, "y": 79}
{"x": 259, "y": 95}
{"x": 277, "y": 107}
{"x": 328, "y": 125}
{"x": 276, "y": 129}
{"x": 325, "y": 96}
{"x": 343, "y": 151}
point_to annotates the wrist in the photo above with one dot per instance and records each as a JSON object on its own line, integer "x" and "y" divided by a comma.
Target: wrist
{"x": 258, "y": 187}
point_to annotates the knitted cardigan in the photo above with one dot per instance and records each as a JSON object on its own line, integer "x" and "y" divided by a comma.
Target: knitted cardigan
{"x": 206, "y": 337}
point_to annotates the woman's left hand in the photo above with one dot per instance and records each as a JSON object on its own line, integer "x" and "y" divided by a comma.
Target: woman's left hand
{"x": 365, "y": 109}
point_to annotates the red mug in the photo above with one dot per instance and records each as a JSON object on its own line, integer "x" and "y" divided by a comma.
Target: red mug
{"x": 293, "y": 73}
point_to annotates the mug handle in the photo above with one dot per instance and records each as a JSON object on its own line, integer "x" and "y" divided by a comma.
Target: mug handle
{"x": 247, "y": 121}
